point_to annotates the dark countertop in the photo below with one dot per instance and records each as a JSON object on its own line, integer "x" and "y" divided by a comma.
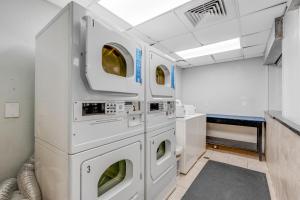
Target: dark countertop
{"x": 236, "y": 117}
{"x": 277, "y": 115}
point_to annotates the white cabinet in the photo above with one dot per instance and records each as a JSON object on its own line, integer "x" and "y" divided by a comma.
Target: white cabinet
{"x": 191, "y": 135}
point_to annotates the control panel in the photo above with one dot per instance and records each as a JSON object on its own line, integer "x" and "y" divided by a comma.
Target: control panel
{"x": 104, "y": 109}
{"x": 167, "y": 107}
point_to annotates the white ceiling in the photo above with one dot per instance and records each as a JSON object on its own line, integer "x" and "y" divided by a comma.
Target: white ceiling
{"x": 170, "y": 32}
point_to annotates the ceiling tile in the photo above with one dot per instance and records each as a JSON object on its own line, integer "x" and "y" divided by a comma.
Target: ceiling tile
{"x": 230, "y": 59}
{"x": 102, "y": 14}
{"x": 247, "y": 6}
{"x": 256, "y": 38}
{"x": 254, "y": 55}
{"x": 182, "y": 42}
{"x": 261, "y": 20}
{"x": 63, "y": 3}
{"x": 219, "y": 32}
{"x": 143, "y": 37}
{"x": 228, "y": 55}
{"x": 175, "y": 56}
{"x": 183, "y": 64}
{"x": 163, "y": 27}
{"x": 203, "y": 60}
{"x": 253, "y": 51}
{"x": 161, "y": 48}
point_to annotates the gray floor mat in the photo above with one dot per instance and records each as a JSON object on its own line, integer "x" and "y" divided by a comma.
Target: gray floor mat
{"x": 220, "y": 181}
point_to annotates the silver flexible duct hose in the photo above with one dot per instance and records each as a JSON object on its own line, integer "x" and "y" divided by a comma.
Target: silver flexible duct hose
{"x": 7, "y": 187}
{"x": 27, "y": 182}
{"x": 17, "y": 196}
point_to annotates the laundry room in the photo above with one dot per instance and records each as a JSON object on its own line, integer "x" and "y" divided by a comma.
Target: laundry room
{"x": 149, "y": 100}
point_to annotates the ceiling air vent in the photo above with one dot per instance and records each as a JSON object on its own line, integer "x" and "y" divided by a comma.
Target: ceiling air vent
{"x": 213, "y": 8}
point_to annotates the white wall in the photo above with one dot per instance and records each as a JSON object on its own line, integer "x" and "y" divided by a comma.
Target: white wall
{"x": 275, "y": 88}
{"x": 237, "y": 88}
{"x": 234, "y": 88}
{"x": 291, "y": 67}
{"x": 19, "y": 22}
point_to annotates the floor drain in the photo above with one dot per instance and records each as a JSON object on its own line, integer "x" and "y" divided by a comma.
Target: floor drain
{"x": 206, "y": 157}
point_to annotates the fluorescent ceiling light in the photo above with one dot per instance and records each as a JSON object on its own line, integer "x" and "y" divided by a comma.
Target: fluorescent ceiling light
{"x": 136, "y": 12}
{"x": 210, "y": 49}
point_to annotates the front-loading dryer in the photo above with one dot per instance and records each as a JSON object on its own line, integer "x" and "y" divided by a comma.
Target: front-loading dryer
{"x": 160, "y": 126}
{"x": 114, "y": 171}
{"x": 89, "y": 102}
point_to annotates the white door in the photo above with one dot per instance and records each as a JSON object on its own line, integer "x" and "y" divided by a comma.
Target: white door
{"x": 162, "y": 76}
{"x": 113, "y": 62}
{"x": 162, "y": 153}
{"x": 114, "y": 175}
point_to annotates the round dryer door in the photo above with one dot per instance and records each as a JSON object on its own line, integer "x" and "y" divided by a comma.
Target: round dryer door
{"x": 113, "y": 175}
{"x": 161, "y": 76}
{"x": 113, "y": 62}
{"x": 162, "y": 152}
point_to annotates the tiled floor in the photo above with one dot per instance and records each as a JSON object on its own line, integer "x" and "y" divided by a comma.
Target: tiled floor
{"x": 241, "y": 160}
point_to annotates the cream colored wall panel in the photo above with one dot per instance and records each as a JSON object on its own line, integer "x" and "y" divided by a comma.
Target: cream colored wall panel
{"x": 283, "y": 160}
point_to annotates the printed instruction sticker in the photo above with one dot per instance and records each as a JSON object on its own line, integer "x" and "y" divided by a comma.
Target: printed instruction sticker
{"x": 138, "y": 66}
{"x": 172, "y": 77}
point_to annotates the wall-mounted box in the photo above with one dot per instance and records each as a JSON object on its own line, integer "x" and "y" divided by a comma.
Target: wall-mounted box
{"x": 12, "y": 110}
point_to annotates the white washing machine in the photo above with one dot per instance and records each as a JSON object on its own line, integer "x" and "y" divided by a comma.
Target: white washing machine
{"x": 160, "y": 126}
{"x": 89, "y": 110}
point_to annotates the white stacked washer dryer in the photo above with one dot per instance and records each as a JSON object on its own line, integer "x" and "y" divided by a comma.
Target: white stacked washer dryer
{"x": 89, "y": 118}
{"x": 160, "y": 141}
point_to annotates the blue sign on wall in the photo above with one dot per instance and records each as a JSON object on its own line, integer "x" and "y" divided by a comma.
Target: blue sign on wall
{"x": 172, "y": 77}
{"x": 138, "y": 66}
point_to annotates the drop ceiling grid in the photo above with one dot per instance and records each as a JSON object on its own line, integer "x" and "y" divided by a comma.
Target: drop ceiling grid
{"x": 254, "y": 50}
{"x": 238, "y": 10}
{"x": 261, "y": 20}
{"x": 163, "y": 27}
{"x": 133, "y": 31}
{"x": 250, "y": 6}
{"x": 255, "y": 38}
{"x": 182, "y": 42}
{"x": 254, "y": 18}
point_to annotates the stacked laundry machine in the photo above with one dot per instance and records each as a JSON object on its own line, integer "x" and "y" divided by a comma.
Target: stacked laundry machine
{"x": 89, "y": 110}
{"x": 104, "y": 113}
{"x": 160, "y": 168}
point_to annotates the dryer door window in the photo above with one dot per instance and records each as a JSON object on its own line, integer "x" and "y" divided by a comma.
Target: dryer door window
{"x": 161, "y": 150}
{"x": 160, "y": 76}
{"x": 112, "y": 176}
{"x": 115, "y": 59}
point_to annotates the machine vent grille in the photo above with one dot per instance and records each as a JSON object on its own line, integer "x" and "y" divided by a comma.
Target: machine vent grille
{"x": 213, "y": 8}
